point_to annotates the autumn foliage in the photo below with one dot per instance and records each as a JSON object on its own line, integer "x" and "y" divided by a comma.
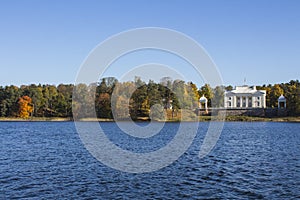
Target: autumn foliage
{"x": 110, "y": 94}
{"x": 25, "y": 107}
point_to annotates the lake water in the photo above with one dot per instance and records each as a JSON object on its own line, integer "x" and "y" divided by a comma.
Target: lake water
{"x": 47, "y": 160}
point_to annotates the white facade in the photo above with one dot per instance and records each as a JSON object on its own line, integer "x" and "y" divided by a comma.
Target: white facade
{"x": 245, "y": 97}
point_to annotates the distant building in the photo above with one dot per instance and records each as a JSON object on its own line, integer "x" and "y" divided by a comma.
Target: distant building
{"x": 245, "y": 97}
{"x": 203, "y": 100}
{"x": 282, "y": 102}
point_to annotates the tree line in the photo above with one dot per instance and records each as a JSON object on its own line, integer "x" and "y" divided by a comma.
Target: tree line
{"x": 133, "y": 98}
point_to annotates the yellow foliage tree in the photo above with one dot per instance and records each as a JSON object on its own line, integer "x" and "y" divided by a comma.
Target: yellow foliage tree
{"x": 25, "y": 107}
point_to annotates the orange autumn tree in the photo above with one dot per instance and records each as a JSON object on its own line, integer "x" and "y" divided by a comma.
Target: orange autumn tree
{"x": 25, "y": 107}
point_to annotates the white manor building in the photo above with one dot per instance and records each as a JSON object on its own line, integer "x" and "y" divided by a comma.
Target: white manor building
{"x": 245, "y": 97}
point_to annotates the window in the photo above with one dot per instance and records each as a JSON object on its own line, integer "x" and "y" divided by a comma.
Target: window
{"x": 243, "y": 99}
{"x": 229, "y": 104}
{"x": 229, "y": 98}
{"x": 258, "y": 98}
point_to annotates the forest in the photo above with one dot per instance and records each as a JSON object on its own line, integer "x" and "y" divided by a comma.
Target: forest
{"x": 135, "y": 97}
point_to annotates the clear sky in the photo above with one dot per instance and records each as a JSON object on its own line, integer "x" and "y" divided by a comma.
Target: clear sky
{"x": 46, "y": 41}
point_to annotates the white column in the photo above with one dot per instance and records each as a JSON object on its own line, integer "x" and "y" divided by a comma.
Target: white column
{"x": 246, "y": 101}
{"x": 285, "y": 104}
{"x": 241, "y": 101}
{"x": 234, "y": 101}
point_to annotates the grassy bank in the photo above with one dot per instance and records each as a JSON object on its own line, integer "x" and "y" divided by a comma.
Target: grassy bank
{"x": 187, "y": 119}
{"x": 35, "y": 119}
{"x": 264, "y": 119}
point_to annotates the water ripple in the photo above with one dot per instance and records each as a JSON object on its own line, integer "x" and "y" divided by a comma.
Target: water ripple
{"x": 251, "y": 161}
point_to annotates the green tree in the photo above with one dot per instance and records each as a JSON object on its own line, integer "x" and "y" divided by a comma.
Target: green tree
{"x": 83, "y": 100}
{"x": 275, "y": 92}
{"x": 66, "y": 91}
{"x": 229, "y": 88}
{"x": 12, "y": 94}
{"x": 218, "y": 97}
{"x": 103, "y": 106}
{"x": 195, "y": 94}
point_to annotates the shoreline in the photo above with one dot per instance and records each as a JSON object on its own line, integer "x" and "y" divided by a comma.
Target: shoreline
{"x": 201, "y": 119}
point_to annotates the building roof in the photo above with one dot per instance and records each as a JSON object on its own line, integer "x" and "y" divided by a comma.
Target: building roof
{"x": 281, "y": 98}
{"x": 203, "y": 99}
{"x": 245, "y": 90}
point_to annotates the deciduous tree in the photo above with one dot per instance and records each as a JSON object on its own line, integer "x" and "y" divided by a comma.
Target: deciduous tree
{"x": 25, "y": 107}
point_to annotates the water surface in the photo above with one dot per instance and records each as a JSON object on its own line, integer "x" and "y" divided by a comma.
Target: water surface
{"x": 258, "y": 160}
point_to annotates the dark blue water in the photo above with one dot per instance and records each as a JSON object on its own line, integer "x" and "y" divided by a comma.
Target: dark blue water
{"x": 46, "y": 160}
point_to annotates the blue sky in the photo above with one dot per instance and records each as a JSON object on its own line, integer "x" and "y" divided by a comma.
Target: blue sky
{"x": 47, "y": 41}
